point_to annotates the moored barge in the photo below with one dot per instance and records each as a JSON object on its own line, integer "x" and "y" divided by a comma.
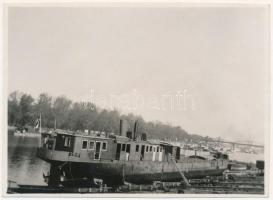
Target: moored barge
{"x": 115, "y": 159}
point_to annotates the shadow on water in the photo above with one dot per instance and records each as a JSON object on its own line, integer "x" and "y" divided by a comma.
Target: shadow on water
{"x": 23, "y": 165}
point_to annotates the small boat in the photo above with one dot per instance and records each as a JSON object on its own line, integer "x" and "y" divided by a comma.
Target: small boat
{"x": 26, "y": 131}
{"x": 26, "y": 134}
{"x": 238, "y": 167}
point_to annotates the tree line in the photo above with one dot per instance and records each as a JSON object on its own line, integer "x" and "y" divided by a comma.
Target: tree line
{"x": 23, "y": 110}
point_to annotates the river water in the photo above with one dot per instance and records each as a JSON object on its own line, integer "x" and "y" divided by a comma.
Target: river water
{"x": 23, "y": 165}
{"x": 25, "y": 168}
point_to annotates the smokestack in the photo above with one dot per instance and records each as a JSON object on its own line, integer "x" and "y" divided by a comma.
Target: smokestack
{"x": 135, "y": 130}
{"x": 123, "y": 127}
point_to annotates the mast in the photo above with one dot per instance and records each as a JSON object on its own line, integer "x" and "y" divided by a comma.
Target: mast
{"x": 40, "y": 127}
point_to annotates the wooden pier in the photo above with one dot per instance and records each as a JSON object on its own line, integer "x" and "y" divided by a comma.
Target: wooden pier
{"x": 208, "y": 185}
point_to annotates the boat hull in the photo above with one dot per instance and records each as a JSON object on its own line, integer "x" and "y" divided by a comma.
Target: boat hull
{"x": 115, "y": 173}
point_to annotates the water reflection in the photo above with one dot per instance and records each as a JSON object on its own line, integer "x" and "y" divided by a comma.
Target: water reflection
{"x": 23, "y": 165}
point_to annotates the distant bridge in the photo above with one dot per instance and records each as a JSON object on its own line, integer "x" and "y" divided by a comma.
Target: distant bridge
{"x": 241, "y": 144}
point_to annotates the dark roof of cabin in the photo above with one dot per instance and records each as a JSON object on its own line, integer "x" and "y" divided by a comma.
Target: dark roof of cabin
{"x": 77, "y": 134}
{"x": 120, "y": 138}
{"x": 165, "y": 143}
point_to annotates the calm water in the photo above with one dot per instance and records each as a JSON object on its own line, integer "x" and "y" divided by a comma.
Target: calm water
{"x": 23, "y": 165}
{"x": 25, "y": 168}
{"x": 246, "y": 157}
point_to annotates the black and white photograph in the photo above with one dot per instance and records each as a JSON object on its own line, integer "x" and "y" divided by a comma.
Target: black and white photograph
{"x": 150, "y": 99}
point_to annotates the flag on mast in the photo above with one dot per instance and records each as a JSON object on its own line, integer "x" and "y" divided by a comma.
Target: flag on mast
{"x": 37, "y": 123}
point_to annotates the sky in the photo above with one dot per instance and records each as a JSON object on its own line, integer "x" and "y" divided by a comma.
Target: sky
{"x": 205, "y": 69}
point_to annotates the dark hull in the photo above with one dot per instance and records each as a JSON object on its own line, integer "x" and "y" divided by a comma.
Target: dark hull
{"x": 172, "y": 176}
{"x": 137, "y": 173}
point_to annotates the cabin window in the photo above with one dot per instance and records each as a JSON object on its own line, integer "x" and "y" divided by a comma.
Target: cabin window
{"x": 151, "y": 148}
{"x": 104, "y": 146}
{"x": 157, "y": 149}
{"x": 147, "y": 148}
{"x": 123, "y": 147}
{"x": 62, "y": 143}
{"x": 168, "y": 150}
{"x": 91, "y": 145}
{"x": 84, "y": 144}
{"x": 50, "y": 144}
{"x": 118, "y": 151}
{"x": 67, "y": 141}
{"x": 142, "y": 152}
{"x": 137, "y": 148}
{"x": 160, "y": 149}
{"x": 128, "y": 148}
{"x": 177, "y": 155}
